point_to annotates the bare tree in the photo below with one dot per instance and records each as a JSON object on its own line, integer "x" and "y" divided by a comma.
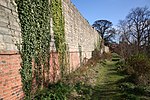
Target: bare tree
{"x": 124, "y": 31}
{"x": 148, "y": 40}
{"x": 137, "y": 24}
{"x": 135, "y": 31}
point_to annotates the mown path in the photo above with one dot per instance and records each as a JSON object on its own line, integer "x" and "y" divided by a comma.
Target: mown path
{"x": 112, "y": 85}
{"x": 103, "y": 82}
{"x": 106, "y": 86}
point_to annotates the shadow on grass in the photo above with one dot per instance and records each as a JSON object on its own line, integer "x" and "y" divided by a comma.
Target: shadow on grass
{"x": 114, "y": 85}
{"x": 120, "y": 87}
{"x": 99, "y": 92}
{"x": 106, "y": 91}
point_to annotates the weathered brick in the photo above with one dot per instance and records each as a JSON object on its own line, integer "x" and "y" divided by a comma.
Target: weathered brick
{"x": 3, "y": 24}
{"x": 9, "y": 46}
{"x": 11, "y": 4}
{"x": 5, "y": 30}
{"x": 2, "y": 46}
{"x": 3, "y": 2}
{"x": 1, "y": 38}
{"x": 3, "y": 14}
{"x": 8, "y": 39}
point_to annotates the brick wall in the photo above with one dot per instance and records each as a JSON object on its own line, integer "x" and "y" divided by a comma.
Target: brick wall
{"x": 10, "y": 80}
{"x": 78, "y": 33}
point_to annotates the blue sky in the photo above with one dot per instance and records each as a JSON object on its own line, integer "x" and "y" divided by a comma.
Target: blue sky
{"x": 112, "y": 10}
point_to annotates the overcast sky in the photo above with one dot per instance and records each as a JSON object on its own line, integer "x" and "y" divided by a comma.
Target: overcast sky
{"x": 112, "y": 10}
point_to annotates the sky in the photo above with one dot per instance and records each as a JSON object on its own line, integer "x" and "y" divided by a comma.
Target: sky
{"x": 112, "y": 10}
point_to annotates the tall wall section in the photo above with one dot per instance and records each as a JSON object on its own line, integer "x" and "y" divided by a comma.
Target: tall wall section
{"x": 80, "y": 36}
{"x": 80, "y": 40}
{"x": 10, "y": 80}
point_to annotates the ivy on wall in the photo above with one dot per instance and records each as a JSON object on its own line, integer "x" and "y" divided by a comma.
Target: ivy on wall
{"x": 59, "y": 34}
{"x": 34, "y": 17}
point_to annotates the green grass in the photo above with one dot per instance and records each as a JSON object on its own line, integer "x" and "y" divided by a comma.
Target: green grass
{"x": 106, "y": 87}
{"x": 102, "y": 81}
{"x": 109, "y": 84}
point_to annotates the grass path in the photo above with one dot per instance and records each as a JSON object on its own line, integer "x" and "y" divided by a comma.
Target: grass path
{"x": 106, "y": 87}
{"x": 103, "y": 82}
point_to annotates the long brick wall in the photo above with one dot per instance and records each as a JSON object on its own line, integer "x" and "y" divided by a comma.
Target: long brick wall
{"x": 78, "y": 34}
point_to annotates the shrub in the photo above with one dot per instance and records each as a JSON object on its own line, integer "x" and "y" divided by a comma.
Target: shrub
{"x": 120, "y": 65}
{"x": 106, "y": 56}
{"x": 139, "y": 67}
{"x": 84, "y": 91}
{"x": 115, "y": 57}
{"x": 58, "y": 91}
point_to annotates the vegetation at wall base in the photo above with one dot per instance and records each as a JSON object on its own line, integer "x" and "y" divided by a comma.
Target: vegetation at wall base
{"x": 58, "y": 91}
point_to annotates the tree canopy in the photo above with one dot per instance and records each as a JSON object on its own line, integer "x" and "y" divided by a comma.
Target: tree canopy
{"x": 105, "y": 30}
{"x": 102, "y": 26}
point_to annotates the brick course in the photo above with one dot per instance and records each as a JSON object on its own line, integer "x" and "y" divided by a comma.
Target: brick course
{"x": 78, "y": 33}
{"x": 10, "y": 80}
